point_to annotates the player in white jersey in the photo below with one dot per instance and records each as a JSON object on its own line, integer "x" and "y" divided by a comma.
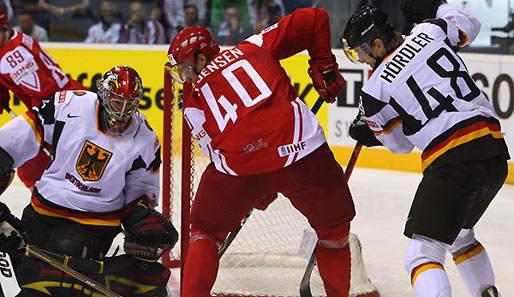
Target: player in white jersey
{"x": 105, "y": 176}
{"x": 421, "y": 95}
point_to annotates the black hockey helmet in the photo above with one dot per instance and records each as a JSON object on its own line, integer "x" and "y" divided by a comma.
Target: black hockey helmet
{"x": 366, "y": 24}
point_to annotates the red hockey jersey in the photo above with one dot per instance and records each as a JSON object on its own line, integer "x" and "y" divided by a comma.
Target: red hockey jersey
{"x": 244, "y": 112}
{"x": 30, "y": 72}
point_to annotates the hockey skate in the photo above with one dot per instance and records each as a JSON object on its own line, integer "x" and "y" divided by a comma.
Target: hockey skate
{"x": 490, "y": 292}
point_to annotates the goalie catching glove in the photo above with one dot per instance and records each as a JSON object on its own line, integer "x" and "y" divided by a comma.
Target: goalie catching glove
{"x": 360, "y": 131}
{"x": 326, "y": 78}
{"x": 148, "y": 234}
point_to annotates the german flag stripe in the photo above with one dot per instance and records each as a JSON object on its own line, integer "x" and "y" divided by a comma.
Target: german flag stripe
{"x": 422, "y": 268}
{"x": 463, "y": 37}
{"x": 45, "y": 207}
{"x": 34, "y": 124}
{"x": 459, "y": 137}
{"x": 389, "y": 126}
{"x": 475, "y": 250}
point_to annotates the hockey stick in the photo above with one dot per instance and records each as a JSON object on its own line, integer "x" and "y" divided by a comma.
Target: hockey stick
{"x": 305, "y": 287}
{"x": 13, "y": 115}
{"x": 232, "y": 235}
{"x": 45, "y": 257}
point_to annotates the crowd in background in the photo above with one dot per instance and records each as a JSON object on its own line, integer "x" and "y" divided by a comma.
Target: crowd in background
{"x": 158, "y": 21}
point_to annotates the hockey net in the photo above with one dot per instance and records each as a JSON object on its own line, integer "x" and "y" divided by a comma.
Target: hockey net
{"x": 270, "y": 253}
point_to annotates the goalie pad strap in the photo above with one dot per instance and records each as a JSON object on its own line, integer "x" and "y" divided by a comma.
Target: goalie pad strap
{"x": 79, "y": 264}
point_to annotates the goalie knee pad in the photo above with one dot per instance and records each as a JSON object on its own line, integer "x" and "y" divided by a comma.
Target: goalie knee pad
{"x": 424, "y": 250}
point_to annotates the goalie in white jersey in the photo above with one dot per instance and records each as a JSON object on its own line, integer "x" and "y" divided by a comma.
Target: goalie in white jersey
{"x": 421, "y": 95}
{"x": 105, "y": 176}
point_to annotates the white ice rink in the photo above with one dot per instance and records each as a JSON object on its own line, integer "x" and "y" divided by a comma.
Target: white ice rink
{"x": 382, "y": 200}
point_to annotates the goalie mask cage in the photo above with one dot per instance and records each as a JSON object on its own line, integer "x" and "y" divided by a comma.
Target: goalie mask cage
{"x": 264, "y": 259}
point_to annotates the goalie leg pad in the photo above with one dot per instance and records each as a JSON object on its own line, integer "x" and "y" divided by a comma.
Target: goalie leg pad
{"x": 121, "y": 274}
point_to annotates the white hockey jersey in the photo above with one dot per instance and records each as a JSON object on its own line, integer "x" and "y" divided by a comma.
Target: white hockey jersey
{"x": 97, "y": 34}
{"x": 93, "y": 174}
{"x": 421, "y": 95}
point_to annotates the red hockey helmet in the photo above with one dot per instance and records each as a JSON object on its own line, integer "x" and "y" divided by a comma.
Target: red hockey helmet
{"x": 189, "y": 41}
{"x": 120, "y": 91}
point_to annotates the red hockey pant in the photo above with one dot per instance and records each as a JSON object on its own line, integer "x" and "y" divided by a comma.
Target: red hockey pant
{"x": 315, "y": 185}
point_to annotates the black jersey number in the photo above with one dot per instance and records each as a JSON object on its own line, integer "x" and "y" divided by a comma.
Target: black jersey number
{"x": 413, "y": 125}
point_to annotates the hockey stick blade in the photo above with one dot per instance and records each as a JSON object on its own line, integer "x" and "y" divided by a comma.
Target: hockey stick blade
{"x": 305, "y": 287}
{"x": 232, "y": 235}
{"x": 43, "y": 256}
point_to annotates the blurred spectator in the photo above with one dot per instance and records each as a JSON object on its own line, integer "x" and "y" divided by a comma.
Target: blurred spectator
{"x": 259, "y": 14}
{"x": 291, "y": 5}
{"x": 219, "y": 8}
{"x": 232, "y": 30}
{"x": 107, "y": 30}
{"x": 58, "y": 10}
{"x": 274, "y": 14}
{"x": 26, "y": 25}
{"x": 191, "y": 15}
{"x": 140, "y": 29}
{"x": 202, "y": 7}
{"x": 170, "y": 13}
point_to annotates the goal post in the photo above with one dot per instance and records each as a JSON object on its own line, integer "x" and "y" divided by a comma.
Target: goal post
{"x": 270, "y": 254}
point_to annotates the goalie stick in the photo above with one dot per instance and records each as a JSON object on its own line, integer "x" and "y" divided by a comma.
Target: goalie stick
{"x": 305, "y": 287}
{"x": 45, "y": 257}
{"x": 13, "y": 115}
{"x": 232, "y": 235}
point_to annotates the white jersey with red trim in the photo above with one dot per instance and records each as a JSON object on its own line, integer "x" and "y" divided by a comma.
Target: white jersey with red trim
{"x": 29, "y": 71}
{"x": 92, "y": 172}
{"x": 421, "y": 95}
{"x": 244, "y": 112}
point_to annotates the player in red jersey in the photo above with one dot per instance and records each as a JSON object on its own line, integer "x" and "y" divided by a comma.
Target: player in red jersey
{"x": 262, "y": 139}
{"x": 28, "y": 71}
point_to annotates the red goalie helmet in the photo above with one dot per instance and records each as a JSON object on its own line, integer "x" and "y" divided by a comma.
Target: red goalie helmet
{"x": 120, "y": 91}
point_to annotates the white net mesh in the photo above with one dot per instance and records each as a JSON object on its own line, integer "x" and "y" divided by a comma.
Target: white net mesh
{"x": 270, "y": 254}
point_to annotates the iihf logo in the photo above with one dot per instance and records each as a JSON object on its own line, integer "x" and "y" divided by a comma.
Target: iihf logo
{"x": 291, "y": 148}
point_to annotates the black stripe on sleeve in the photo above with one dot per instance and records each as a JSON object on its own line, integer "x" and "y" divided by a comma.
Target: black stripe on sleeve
{"x": 371, "y": 104}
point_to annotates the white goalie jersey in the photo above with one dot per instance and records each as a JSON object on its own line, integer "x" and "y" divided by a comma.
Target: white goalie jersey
{"x": 421, "y": 95}
{"x": 93, "y": 174}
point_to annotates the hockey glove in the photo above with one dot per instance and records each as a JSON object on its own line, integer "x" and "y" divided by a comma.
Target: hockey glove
{"x": 148, "y": 234}
{"x": 416, "y": 11}
{"x": 12, "y": 237}
{"x": 326, "y": 78}
{"x": 360, "y": 131}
